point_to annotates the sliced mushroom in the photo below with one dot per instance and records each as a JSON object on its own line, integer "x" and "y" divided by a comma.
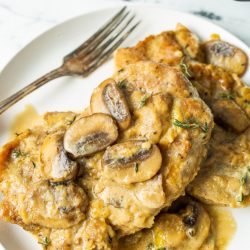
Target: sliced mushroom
{"x": 56, "y": 165}
{"x": 189, "y": 42}
{"x": 131, "y": 161}
{"x": 230, "y": 114}
{"x": 109, "y": 99}
{"x": 184, "y": 229}
{"x": 90, "y": 134}
{"x": 226, "y": 55}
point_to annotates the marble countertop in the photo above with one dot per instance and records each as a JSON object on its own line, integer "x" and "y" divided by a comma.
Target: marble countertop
{"x": 22, "y": 21}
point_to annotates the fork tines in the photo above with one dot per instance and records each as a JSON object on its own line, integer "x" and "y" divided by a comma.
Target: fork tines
{"x": 97, "y": 49}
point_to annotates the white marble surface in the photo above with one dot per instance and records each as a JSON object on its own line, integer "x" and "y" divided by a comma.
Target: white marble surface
{"x": 22, "y": 21}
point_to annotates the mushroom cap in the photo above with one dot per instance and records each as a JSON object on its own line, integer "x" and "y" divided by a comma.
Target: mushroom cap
{"x": 131, "y": 161}
{"x": 56, "y": 165}
{"x": 90, "y": 134}
{"x": 108, "y": 98}
{"x": 226, "y": 55}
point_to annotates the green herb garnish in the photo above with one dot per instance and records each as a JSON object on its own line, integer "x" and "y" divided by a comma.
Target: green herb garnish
{"x": 122, "y": 84}
{"x": 243, "y": 179}
{"x": 71, "y": 121}
{"x": 144, "y": 99}
{"x": 185, "y": 69}
{"x": 227, "y": 95}
{"x": 240, "y": 198}
{"x": 16, "y": 153}
{"x": 150, "y": 246}
{"x": 136, "y": 167}
{"x": 45, "y": 241}
{"x": 192, "y": 125}
{"x": 34, "y": 164}
{"x": 162, "y": 248}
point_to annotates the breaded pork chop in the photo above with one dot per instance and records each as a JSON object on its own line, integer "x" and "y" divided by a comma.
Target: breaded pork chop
{"x": 187, "y": 226}
{"x": 85, "y": 176}
{"x": 224, "y": 175}
{"x": 166, "y": 111}
{"x": 225, "y": 93}
{"x": 217, "y": 84}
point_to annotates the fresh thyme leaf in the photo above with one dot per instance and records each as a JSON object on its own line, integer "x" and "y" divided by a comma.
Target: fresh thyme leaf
{"x": 16, "y": 153}
{"x": 243, "y": 179}
{"x": 34, "y": 164}
{"x": 71, "y": 121}
{"x": 205, "y": 128}
{"x": 248, "y": 168}
{"x": 150, "y": 246}
{"x": 144, "y": 100}
{"x": 17, "y": 134}
{"x": 185, "y": 69}
{"x": 45, "y": 241}
{"x": 110, "y": 239}
{"x": 227, "y": 95}
{"x": 192, "y": 124}
{"x": 136, "y": 167}
{"x": 240, "y": 198}
{"x": 122, "y": 84}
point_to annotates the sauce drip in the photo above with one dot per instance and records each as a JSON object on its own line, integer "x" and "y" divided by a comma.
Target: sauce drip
{"x": 224, "y": 225}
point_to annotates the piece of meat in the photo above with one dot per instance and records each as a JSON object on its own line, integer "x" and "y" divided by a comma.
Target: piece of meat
{"x": 170, "y": 123}
{"x": 169, "y": 47}
{"x": 165, "y": 110}
{"x": 224, "y": 175}
{"x": 181, "y": 48}
{"x": 186, "y": 227}
{"x": 225, "y": 94}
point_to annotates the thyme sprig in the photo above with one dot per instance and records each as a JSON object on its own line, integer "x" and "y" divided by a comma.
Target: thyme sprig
{"x": 191, "y": 124}
{"x": 240, "y": 197}
{"x": 122, "y": 84}
{"x": 150, "y": 246}
{"x": 185, "y": 69}
{"x": 227, "y": 95}
{"x": 45, "y": 241}
{"x": 243, "y": 179}
{"x": 136, "y": 167}
{"x": 144, "y": 99}
{"x": 72, "y": 120}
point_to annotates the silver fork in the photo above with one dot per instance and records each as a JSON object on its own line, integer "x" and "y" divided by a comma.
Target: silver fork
{"x": 87, "y": 57}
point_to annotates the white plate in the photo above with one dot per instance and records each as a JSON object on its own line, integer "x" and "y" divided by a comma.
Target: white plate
{"x": 68, "y": 93}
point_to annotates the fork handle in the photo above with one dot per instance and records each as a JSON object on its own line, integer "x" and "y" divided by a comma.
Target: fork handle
{"x": 8, "y": 102}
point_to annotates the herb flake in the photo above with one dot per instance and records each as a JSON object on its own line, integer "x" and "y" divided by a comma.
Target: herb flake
{"x": 185, "y": 69}
{"x": 227, "y": 95}
{"x": 122, "y": 84}
{"x": 45, "y": 241}
{"x": 16, "y": 153}
{"x": 34, "y": 164}
{"x": 240, "y": 198}
{"x": 72, "y": 120}
{"x": 243, "y": 179}
{"x": 144, "y": 99}
{"x": 193, "y": 125}
{"x": 150, "y": 246}
{"x": 136, "y": 167}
